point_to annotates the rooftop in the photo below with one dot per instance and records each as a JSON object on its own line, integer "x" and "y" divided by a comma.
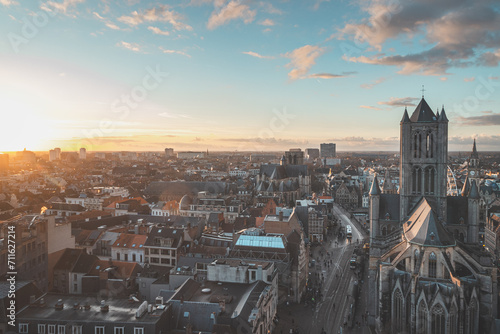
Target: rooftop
{"x": 120, "y": 310}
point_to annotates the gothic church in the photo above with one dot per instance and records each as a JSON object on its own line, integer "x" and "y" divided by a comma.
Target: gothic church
{"x": 428, "y": 272}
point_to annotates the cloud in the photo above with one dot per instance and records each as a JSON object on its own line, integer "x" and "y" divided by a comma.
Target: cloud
{"x": 8, "y": 2}
{"x": 158, "y": 31}
{"x": 469, "y": 79}
{"x": 255, "y": 54}
{"x": 331, "y": 76}
{"x": 318, "y": 3}
{"x": 107, "y": 22}
{"x": 490, "y": 59}
{"x": 435, "y": 61}
{"x": 267, "y": 22}
{"x": 400, "y": 102}
{"x": 232, "y": 11}
{"x": 60, "y": 6}
{"x": 370, "y": 107}
{"x": 156, "y": 14}
{"x": 483, "y": 120}
{"x": 130, "y": 46}
{"x": 175, "y": 51}
{"x": 456, "y": 34}
{"x": 373, "y": 84}
{"x": 302, "y": 59}
{"x": 269, "y": 8}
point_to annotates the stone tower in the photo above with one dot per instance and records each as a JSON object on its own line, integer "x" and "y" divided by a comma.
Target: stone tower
{"x": 424, "y": 155}
{"x": 473, "y": 168}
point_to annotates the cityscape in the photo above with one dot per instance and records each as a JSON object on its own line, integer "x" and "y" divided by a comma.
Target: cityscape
{"x": 254, "y": 167}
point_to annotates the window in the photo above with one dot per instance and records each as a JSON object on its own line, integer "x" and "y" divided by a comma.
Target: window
{"x": 52, "y": 329}
{"x": 99, "y": 330}
{"x": 77, "y": 329}
{"x": 126, "y": 257}
{"x": 75, "y": 287}
{"x": 23, "y": 328}
{"x": 138, "y": 330}
{"x": 432, "y": 265}
{"x": 452, "y": 320}
{"x": 61, "y": 329}
{"x": 253, "y": 275}
{"x": 422, "y": 318}
{"x": 119, "y": 330}
{"x": 470, "y": 318}
{"x": 134, "y": 258}
{"x": 438, "y": 319}
{"x": 118, "y": 256}
{"x": 41, "y": 329}
{"x": 399, "y": 320}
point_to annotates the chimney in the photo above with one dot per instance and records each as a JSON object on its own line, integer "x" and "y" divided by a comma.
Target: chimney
{"x": 104, "y": 307}
{"x": 59, "y": 305}
{"x": 281, "y": 216}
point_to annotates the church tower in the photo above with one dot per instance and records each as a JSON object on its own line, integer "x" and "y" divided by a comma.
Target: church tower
{"x": 473, "y": 168}
{"x": 424, "y": 156}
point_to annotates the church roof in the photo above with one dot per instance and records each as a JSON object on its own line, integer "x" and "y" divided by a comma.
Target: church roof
{"x": 375, "y": 190}
{"x": 424, "y": 228}
{"x": 423, "y": 113}
{"x": 474, "y": 193}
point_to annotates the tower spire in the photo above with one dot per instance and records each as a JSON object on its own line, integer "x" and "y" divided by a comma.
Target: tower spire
{"x": 423, "y": 90}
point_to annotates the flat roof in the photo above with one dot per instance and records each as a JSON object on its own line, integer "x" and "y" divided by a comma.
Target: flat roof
{"x": 261, "y": 241}
{"x": 120, "y": 310}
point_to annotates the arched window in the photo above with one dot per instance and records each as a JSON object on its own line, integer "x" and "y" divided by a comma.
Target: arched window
{"x": 432, "y": 264}
{"x": 398, "y": 307}
{"x": 415, "y": 261}
{"x": 429, "y": 180}
{"x": 419, "y": 181}
{"x": 427, "y": 146}
{"x": 415, "y": 145}
{"x": 438, "y": 319}
{"x": 422, "y": 318}
{"x": 471, "y": 317}
{"x": 384, "y": 230}
{"x": 419, "y": 145}
{"x": 452, "y": 320}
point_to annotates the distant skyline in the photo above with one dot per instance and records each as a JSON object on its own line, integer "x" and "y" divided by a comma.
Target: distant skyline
{"x": 228, "y": 75}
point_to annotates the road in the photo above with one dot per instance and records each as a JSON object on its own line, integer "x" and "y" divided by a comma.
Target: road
{"x": 332, "y": 311}
{"x": 328, "y": 301}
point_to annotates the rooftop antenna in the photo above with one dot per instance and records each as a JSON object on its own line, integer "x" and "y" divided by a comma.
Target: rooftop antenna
{"x": 423, "y": 90}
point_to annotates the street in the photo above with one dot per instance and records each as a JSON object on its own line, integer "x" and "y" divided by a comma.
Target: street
{"x": 335, "y": 301}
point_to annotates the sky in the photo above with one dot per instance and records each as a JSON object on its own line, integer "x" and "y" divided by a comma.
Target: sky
{"x": 244, "y": 75}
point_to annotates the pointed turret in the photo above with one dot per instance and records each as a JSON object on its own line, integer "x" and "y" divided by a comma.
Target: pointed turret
{"x": 406, "y": 118}
{"x": 442, "y": 116}
{"x": 375, "y": 190}
{"x": 283, "y": 160}
{"x": 473, "y": 193}
{"x": 474, "y": 154}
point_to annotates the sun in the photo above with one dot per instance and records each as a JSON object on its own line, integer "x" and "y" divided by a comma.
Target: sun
{"x": 23, "y": 126}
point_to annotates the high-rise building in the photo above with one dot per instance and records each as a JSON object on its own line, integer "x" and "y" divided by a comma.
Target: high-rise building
{"x": 169, "y": 152}
{"x": 312, "y": 153}
{"x": 58, "y": 153}
{"x": 429, "y": 273}
{"x": 83, "y": 153}
{"x": 52, "y": 155}
{"x": 328, "y": 150}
